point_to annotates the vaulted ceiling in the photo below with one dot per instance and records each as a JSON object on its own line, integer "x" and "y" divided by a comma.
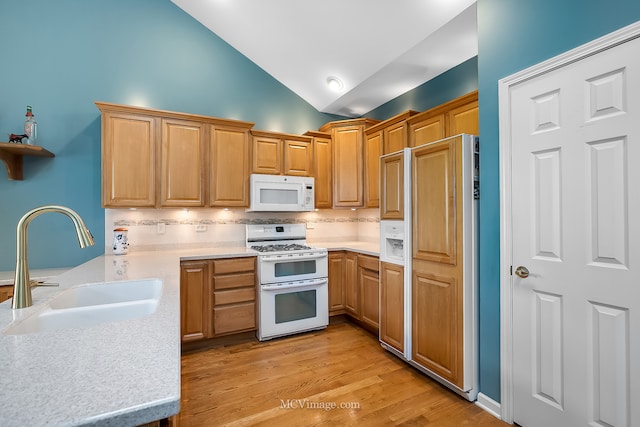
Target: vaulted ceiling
{"x": 378, "y": 49}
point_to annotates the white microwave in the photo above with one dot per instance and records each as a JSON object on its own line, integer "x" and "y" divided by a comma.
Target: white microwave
{"x": 281, "y": 193}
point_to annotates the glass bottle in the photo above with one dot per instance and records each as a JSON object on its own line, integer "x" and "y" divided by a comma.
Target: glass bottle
{"x": 30, "y": 127}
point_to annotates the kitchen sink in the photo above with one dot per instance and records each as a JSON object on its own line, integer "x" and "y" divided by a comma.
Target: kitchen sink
{"x": 94, "y": 304}
{"x": 108, "y": 293}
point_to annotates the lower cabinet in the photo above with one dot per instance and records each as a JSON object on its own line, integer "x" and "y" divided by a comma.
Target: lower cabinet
{"x": 392, "y": 305}
{"x": 217, "y": 297}
{"x": 6, "y": 292}
{"x": 194, "y": 301}
{"x": 336, "y": 283}
{"x": 369, "y": 287}
{"x": 234, "y": 296}
{"x": 354, "y": 287}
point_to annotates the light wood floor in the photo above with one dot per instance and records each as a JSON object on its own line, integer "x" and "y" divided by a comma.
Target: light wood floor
{"x": 295, "y": 381}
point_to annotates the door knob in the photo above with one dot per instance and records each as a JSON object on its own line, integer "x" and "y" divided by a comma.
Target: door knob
{"x": 522, "y": 272}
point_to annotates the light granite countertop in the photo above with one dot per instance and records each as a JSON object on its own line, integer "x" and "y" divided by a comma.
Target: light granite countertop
{"x": 122, "y": 373}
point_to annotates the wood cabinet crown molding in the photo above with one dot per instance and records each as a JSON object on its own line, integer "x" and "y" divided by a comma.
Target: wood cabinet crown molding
{"x": 443, "y": 108}
{"x": 350, "y": 122}
{"x": 405, "y": 115}
{"x": 130, "y": 109}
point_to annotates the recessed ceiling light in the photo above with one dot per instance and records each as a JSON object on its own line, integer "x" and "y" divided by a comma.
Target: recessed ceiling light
{"x": 334, "y": 83}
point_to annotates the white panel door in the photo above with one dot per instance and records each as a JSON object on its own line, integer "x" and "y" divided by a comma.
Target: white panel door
{"x": 575, "y": 136}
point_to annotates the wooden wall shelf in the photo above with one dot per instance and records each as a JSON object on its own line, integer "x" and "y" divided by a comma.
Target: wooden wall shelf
{"x": 11, "y": 154}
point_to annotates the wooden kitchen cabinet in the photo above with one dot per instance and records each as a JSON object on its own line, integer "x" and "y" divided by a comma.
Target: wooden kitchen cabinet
{"x": 351, "y": 288}
{"x": 372, "y": 153}
{"x": 322, "y": 169}
{"x": 457, "y": 116}
{"x": 183, "y": 163}
{"x": 195, "y": 304}
{"x": 156, "y": 158}
{"x": 392, "y": 305}
{"x": 229, "y": 166}
{"x": 6, "y": 292}
{"x": 129, "y": 144}
{"x": 336, "y": 266}
{"x": 347, "y": 137}
{"x": 392, "y": 187}
{"x": 369, "y": 289}
{"x": 437, "y": 291}
{"x": 234, "y": 295}
{"x": 281, "y": 154}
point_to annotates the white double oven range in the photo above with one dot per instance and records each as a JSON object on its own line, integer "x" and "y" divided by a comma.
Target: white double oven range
{"x": 293, "y": 292}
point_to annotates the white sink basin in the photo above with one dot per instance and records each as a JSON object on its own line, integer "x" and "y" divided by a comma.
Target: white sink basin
{"x": 108, "y": 293}
{"x": 90, "y": 305}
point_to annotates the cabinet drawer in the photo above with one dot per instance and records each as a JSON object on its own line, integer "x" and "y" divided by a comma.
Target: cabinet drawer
{"x": 234, "y": 318}
{"x": 230, "y": 281}
{"x": 368, "y": 262}
{"x": 234, "y": 296}
{"x": 233, "y": 265}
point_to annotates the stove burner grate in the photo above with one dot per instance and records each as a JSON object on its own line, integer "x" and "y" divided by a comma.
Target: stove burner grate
{"x": 280, "y": 247}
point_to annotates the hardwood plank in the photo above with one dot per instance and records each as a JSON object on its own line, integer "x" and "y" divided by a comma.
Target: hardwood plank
{"x": 295, "y": 381}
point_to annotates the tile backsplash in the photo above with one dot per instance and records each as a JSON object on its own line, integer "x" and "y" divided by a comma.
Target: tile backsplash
{"x": 150, "y": 229}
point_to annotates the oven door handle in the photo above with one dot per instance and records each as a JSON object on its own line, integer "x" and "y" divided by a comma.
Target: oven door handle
{"x": 267, "y": 258}
{"x": 305, "y": 284}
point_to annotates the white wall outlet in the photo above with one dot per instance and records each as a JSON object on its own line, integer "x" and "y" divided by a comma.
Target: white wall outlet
{"x": 201, "y": 227}
{"x": 161, "y": 228}
{"x": 310, "y": 226}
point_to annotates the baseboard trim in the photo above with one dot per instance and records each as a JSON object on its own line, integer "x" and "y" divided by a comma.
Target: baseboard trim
{"x": 489, "y": 405}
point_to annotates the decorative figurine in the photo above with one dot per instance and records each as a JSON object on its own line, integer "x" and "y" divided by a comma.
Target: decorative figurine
{"x": 17, "y": 138}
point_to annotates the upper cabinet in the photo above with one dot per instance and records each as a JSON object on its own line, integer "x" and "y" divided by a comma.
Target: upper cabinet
{"x": 385, "y": 137}
{"x": 281, "y": 154}
{"x": 153, "y": 158}
{"x": 129, "y": 144}
{"x": 451, "y": 118}
{"x": 322, "y": 169}
{"x": 348, "y": 160}
{"x": 229, "y": 166}
{"x": 182, "y": 163}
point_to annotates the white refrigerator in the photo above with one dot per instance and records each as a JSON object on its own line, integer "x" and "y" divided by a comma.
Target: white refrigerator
{"x": 429, "y": 235}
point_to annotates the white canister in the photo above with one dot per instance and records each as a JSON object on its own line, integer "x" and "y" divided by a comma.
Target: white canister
{"x": 120, "y": 241}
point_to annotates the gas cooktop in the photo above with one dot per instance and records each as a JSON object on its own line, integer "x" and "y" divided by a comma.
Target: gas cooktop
{"x": 280, "y": 247}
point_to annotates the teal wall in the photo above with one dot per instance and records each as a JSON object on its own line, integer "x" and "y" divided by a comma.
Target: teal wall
{"x": 454, "y": 83}
{"x": 513, "y": 35}
{"x": 61, "y": 56}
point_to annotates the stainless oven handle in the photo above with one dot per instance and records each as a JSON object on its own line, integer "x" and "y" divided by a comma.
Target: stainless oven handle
{"x": 277, "y": 287}
{"x": 267, "y": 258}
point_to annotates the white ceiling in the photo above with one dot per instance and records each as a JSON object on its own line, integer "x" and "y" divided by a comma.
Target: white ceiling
{"x": 380, "y": 49}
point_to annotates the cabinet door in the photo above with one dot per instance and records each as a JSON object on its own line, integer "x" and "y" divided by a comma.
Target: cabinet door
{"x": 195, "y": 300}
{"x": 392, "y": 184}
{"x": 395, "y": 137}
{"x": 373, "y": 151}
{"x": 128, "y": 160}
{"x": 267, "y": 155}
{"x": 463, "y": 119}
{"x": 437, "y": 263}
{"x": 352, "y": 292}
{"x": 336, "y": 283}
{"x": 229, "y": 167}
{"x": 182, "y": 163}
{"x": 369, "y": 286}
{"x": 434, "y": 202}
{"x": 298, "y": 158}
{"x": 428, "y": 130}
{"x": 392, "y": 305}
{"x": 348, "y": 178}
{"x": 323, "y": 181}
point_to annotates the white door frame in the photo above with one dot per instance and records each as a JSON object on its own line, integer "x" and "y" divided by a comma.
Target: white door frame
{"x": 506, "y": 243}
